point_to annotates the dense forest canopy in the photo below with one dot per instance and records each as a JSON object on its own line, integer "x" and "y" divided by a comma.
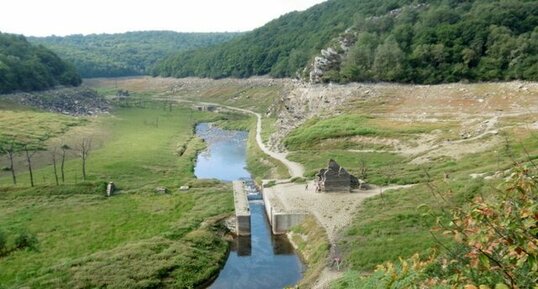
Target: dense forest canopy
{"x": 429, "y": 41}
{"x": 125, "y": 54}
{"x": 27, "y": 67}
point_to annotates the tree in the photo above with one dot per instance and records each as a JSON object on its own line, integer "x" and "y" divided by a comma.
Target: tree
{"x": 11, "y": 149}
{"x": 64, "y": 149}
{"x": 84, "y": 148}
{"x": 388, "y": 62}
{"x": 30, "y": 150}
{"x": 53, "y": 154}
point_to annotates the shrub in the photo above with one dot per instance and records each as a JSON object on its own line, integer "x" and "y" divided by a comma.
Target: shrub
{"x": 24, "y": 240}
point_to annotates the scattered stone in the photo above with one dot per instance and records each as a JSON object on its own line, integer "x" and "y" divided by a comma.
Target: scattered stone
{"x": 184, "y": 188}
{"x": 161, "y": 190}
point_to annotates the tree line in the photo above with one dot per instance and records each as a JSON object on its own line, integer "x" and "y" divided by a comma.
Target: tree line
{"x": 125, "y": 54}
{"x": 11, "y": 148}
{"x": 27, "y": 67}
{"x": 405, "y": 41}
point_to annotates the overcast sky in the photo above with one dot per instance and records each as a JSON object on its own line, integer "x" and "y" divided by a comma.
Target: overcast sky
{"x": 64, "y": 17}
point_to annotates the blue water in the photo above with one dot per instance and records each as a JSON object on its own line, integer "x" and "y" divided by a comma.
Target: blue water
{"x": 262, "y": 260}
{"x": 226, "y": 154}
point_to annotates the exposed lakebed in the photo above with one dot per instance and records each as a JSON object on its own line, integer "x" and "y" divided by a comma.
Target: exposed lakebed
{"x": 262, "y": 260}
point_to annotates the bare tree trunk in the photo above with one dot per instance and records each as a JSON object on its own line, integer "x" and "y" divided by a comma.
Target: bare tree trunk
{"x": 62, "y": 166}
{"x": 83, "y": 167}
{"x": 85, "y": 147}
{"x": 64, "y": 148}
{"x": 29, "y": 161}
{"x": 11, "y": 155}
{"x": 53, "y": 155}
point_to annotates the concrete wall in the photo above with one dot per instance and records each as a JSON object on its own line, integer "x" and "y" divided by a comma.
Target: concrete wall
{"x": 284, "y": 221}
{"x": 280, "y": 219}
{"x": 243, "y": 225}
{"x": 242, "y": 211}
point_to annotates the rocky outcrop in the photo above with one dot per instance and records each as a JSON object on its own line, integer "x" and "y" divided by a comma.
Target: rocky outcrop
{"x": 331, "y": 58}
{"x": 71, "y": 101}
{"x": 306, "y": 100}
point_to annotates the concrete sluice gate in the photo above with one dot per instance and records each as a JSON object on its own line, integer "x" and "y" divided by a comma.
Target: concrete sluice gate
{"x": 280, "y": 220}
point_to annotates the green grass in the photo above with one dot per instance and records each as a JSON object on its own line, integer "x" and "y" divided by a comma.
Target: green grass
{"x": 25, "y": 125}
{"x": 135, "y": 239}
{"x": 391, "y": 225}
{"x": 139, "y": 151}
{"x": 382, "y": 167}
{"x": 260, "y": 165}
{"x": 314, "y": 131}
{"x": 268, "y": 128}
{"x": 313, "y": 245}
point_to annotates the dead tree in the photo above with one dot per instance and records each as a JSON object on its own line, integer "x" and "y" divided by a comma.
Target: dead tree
{"x": 29, "y": 151}
{"x": 64, "y": 148}
{"x": 11, "y": 150}
{"x": 53, "y": 155}
{"x": 84, "y": 148}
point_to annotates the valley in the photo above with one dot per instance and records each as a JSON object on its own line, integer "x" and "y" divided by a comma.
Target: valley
{"x": 404, "y": 140}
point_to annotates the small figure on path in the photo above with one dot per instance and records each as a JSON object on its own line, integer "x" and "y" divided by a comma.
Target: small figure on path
{"x": 306, "y": 187}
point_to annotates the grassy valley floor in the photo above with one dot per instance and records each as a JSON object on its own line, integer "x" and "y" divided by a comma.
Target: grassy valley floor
{"x": 137, "y": 238}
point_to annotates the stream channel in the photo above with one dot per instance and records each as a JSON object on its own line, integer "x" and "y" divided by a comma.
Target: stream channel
{"x": 262, "y": 260}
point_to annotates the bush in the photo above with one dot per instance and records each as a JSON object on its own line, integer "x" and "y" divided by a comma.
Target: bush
{"x": 25, "y": 240}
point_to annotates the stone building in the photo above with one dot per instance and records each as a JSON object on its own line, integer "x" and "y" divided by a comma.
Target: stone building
{"x": 334, "y": 179}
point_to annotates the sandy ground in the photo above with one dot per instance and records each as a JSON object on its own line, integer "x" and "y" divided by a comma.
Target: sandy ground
{"x": 334, "y": 211}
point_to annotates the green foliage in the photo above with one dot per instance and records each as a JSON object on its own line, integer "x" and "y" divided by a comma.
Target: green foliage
{"x": 25, "y": 239}
{"x": 27, "y": 67}
{"x": 280, "y": 48}
{"x": 125, "y": 54}
{"x": 401, "y": 41}
{"x": 499, "y": 235}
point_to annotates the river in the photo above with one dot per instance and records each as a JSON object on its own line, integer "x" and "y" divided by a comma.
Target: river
{"x": 262, "y": 260}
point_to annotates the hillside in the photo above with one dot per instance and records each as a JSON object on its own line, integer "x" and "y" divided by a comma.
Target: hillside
{"x": 27, "y": 67}
{"x": 124, "y": 54}
{"x": 368, "y": 40}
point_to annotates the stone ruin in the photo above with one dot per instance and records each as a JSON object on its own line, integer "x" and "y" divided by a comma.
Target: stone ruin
{"x": 335, "y": 179}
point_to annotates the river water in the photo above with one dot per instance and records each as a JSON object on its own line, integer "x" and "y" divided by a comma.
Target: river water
{"x": 262, "y": 260}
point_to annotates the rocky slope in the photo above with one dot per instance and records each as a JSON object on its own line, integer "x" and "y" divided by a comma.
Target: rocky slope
{"x": 71, "y": 101}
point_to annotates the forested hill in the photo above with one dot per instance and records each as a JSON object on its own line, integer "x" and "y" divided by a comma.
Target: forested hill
{"x": 411, "y": 41}
{"x": 125, "y": 54}
{"x": 27, "y": 67}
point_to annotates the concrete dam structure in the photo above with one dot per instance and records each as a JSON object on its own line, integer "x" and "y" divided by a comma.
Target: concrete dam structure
{"x": 280, "y": 218}
{"x": 242, "y": 211}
